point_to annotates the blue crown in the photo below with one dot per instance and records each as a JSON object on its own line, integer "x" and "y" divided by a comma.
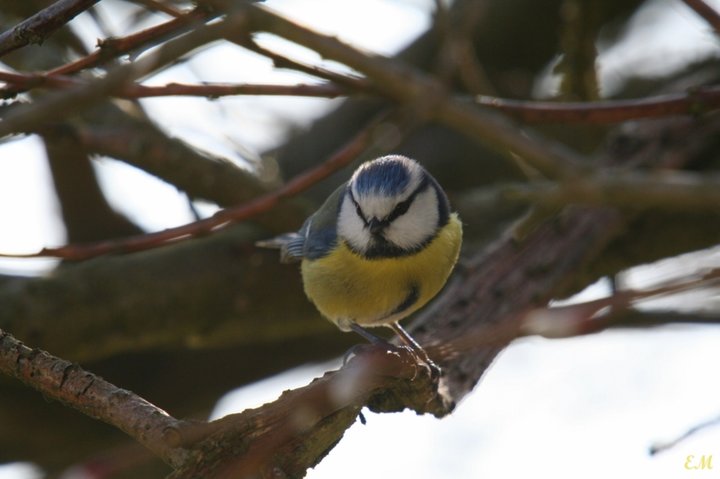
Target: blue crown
{"x": 386, "y": 176}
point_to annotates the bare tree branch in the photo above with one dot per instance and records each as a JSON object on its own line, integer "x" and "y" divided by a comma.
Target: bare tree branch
{"x": 631, "y": 191}
{"x": 697, "y": 101}
{"x": 58, "y": 105}
{"x": 307, "y": 422}
{"x": 408, "y": 86}
{"x": 210, "y": 90}
{"x": 66, "y": 382}
{"x": 111, "y": 48}
{"x": 707, "y": 12}
{"x": 367, "y": 138}
{"x": 665, "y": 445}
{"x": 36, "y": 28}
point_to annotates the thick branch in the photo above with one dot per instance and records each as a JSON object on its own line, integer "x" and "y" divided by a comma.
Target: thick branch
{"x": 86, "y": 214}
{"x": 215, "y": 292}
{"x": 66, "y": 382}
{"x": 297, "y": 430}
{"x": 116, "y": 132}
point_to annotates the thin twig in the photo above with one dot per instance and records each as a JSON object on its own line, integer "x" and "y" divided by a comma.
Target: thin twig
{"x": 58, "y": 105}
{"x": 664, "y": 446}
{"x": 616, "y": 310}
{"x": 671, "y": 191}
{"x": 458, "y": 57}
{"x": 697, "y": 101}
{"x": 707, "y": 12}
{"x": 157, "y": 6}
{"x": 409, "y": 86}
{"x": 326, "y": 90}
{"x": 280, "y": 61}
{"x": 350, "y": 151}
{"x": 38, "y": 27}
{"x": 111, "y": 48}
{"x": 210, "y": 90}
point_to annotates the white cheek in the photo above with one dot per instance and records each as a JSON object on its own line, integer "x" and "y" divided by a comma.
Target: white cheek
{"x": 351, "y": 228}
{"x": 417, "y": 224}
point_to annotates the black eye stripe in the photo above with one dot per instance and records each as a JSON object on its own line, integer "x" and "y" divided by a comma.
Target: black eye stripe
{"x": 399, "y": 210}
{"x": 402, "y": 207}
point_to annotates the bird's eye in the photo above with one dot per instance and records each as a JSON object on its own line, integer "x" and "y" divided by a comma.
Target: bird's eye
{"x": 400, "y": 209}
{"x": 359, "y": 212}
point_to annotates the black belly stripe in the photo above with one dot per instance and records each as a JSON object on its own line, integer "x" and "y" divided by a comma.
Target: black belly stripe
{"x": 410, "y": 299}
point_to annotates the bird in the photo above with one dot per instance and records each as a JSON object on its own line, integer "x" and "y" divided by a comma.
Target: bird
{"x": 380, "y": 247}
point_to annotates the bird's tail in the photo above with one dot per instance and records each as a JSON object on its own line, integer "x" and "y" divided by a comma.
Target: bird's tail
{"x": 289, "y": 244}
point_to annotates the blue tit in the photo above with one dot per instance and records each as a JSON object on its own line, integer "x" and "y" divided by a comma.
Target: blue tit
{"x": 379, "y": 248}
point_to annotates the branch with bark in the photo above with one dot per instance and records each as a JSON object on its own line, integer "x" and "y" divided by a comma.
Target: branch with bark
{"x": 36, "y": 28}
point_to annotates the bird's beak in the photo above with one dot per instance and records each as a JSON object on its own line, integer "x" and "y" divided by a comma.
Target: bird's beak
{"x": 376, "y": 226}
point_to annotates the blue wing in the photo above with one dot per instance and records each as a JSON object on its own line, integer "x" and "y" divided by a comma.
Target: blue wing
{"x": 317, "y": 236}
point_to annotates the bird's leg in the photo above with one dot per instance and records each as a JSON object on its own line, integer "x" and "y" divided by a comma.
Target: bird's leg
{"x": 417, "y": 349}
{"x": 370, "y": 337}
{"x": 413, "y": 345}
{"x": 373, "y": 338}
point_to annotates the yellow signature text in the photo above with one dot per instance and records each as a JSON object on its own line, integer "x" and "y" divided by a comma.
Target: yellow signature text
{"x": 692, "y": 462}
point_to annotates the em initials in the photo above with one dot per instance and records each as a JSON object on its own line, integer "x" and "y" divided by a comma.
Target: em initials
{"x": 705, "y": 462}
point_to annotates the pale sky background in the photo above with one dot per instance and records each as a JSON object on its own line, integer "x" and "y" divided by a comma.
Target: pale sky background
{"x": 584, "y": 407}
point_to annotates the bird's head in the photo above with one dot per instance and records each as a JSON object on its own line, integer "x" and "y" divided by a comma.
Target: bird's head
{"x": 391, "y": 207}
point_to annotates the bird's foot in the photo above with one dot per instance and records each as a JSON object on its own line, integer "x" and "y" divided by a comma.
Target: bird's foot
{"x": 410, "y": 347}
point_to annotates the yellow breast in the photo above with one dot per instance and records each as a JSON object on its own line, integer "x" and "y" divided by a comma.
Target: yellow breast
{"x": 346, "y": 287}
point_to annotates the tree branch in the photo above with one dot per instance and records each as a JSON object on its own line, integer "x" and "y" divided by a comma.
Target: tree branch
{"x": 707, "y": 12}
{"x": 280, "y": 61}
{"x": 412, "y": 87}
{"x": 143, "y": 145}
{"x": 69, "y": 384}
{"x": 325, "y": 90}
{"x": 665, "y": 445}
{"x": 697, "y": 101}
{"x": 210, "y": 90}
{"x": 58, "y": 105}
{"x": 296, "y": 431}
{"x": 367, "y": 138}
{"x": 630, "y": 191}
{"x": 38, "y": 27}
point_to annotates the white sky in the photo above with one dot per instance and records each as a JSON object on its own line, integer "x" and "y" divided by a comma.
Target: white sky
{"x": 584, "y": 407}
